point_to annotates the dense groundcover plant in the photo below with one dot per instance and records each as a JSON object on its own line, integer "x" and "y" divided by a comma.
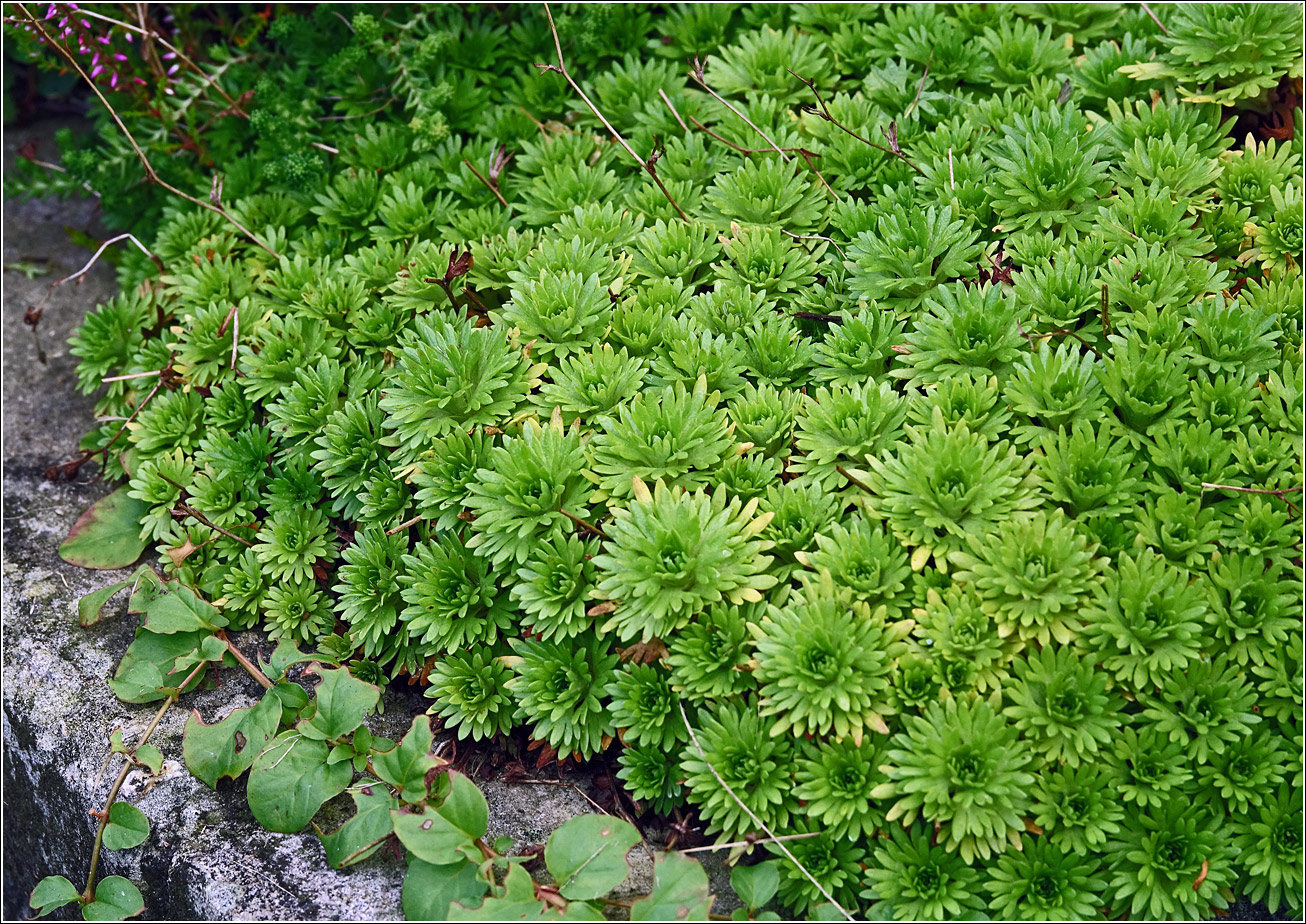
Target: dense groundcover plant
{"x": 879, "y": 434}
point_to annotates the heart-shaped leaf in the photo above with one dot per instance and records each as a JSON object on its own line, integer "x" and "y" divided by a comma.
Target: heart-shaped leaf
{"x": 91, "y": 607}
{"x": 108, "y": 535}
{"x": 343, "y": 702}
{"x": 177, "y": 608}
{"x": 52, "y": 892}
{"x": 290, "y": 780}
{"x": 115, "y": 900}
{"x": 361, "y": 836}
{"x": 681, "y": 891}
{"x": 587, "y": 855}
{"x": 140, "y": 677}
{"x": 756, "y": 885}
{"x": 151, "y": 757}
{"x": 228, "y": 747}
{"x": 429, "y": 890}
{"x": 128, "y": 827}
{"x": 405, "y": 766}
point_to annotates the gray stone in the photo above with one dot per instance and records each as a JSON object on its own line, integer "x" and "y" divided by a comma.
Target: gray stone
{"x": 206, "y": 858}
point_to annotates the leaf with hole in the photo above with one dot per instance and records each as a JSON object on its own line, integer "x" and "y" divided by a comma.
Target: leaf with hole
{"x": 681, "y": 891}
{"x": 116, "y": 899}
{"x": 52, "y": 892}
{"x": 229, "y": 746}
{"x": 108, "y": 535}
{"x": 362, "y": 835}
{"x": 448, "y": 833}
{"x": 290, "y": 780}
{"x": 128, "y": 827}
{"x": 587, "y": 855}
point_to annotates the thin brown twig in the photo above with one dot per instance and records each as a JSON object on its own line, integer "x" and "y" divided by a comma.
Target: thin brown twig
{"x": 1160, "y": 25}
{"x": 699, "y": 77}
{"x": 584, "y": 524}
{"x": 646, "y": 164}
{"x": 153, "y": 391}
{"x": 88, "y": 894}
{"x": 662, "y": 93}
{"x": 488, "y": 185}
{"x": 404, "y": 525}
{"x": 150, "y": 173}
{"x": 757, "y": 821}
{"x": 1280, "y": 493}
{"x": 123, "y": 378}
{"x": 245, "y": 662}
{"x": 754, "y": 843}
{"x": 853, "y": 479}
{"x": 824, "y": 112}
{"x": 186, "y": 510}
{"x": 919, "y": 87}
{"x": 805, "y": 154}
{"x": 95, "y": 256}
{"x": 814, "y": 237}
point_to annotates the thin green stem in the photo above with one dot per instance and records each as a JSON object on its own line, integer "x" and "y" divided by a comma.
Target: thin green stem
{"x": 88, "y": 894}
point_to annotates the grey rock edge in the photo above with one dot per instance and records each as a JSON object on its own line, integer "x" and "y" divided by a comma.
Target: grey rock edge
{"x": 206, "y": 858}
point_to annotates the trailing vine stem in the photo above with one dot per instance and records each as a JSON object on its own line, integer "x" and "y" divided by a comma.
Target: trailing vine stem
{"x": 151, "y": 174}
{"x": 243, "y": 660}
{"x": 88, "y": 894}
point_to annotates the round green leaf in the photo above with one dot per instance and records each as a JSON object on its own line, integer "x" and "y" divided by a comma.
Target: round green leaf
{"x": 587, "y": 855}
{"x": 128, "y": 827}
{"x": 115, "y": 899}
